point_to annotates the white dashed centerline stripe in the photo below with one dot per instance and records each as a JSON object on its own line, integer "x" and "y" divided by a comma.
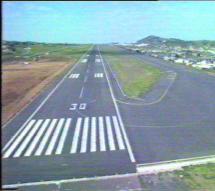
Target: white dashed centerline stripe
{"x": 84, "y": 135}
{"x": 63, "y": 136}
{"x": 101, "y": 135}
{"x": 55, "y": 136}
{"x": 18, "y": 139}
{"x": 46, "y": 137}
{"x": 85, "y": 78}
{"x": 27, "y": 139}
{"x": 93, "y": 135}
{"x": 118, "y": 133}
{"x": 36, "y": 138}
{"x": 81, "y": 94}
{"x": 110, "y": 134}
{"x": 76, "y": 136}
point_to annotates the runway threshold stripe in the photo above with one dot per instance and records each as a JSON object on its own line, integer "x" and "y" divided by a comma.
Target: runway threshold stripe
{"x": 101, "y": 134}
{"x": 36, "y": 138}
{"x": 84, "y": 135}
{"x": 93, "y": 135}
{"x": 19, "y": 139}
{"x": 28, "y": 138}
{"x": 110, "y": 134}
{"x": 46, "y": 137}
{"x": 118, "y": 133}
{"x": 55, "y": 136}
{"x": 76, "y": 136}
{"x": 63, "y": 136}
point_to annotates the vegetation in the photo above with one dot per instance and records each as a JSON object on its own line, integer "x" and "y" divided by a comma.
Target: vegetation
{"x": 201, "y": 177}
{"x": 136, "y": 77}
{"x": 21, "y": 83}
{"x": 31, "y": 51}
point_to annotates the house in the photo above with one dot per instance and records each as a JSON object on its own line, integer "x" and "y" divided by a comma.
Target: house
{"x": 179, "y": 60}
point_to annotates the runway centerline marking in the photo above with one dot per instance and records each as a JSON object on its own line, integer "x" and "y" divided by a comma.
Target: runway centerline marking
{"x": 82, "y": 91}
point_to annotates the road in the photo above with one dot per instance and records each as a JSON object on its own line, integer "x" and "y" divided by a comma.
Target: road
{"x": 81, "y": 126}
{"x": 76, "y": 132}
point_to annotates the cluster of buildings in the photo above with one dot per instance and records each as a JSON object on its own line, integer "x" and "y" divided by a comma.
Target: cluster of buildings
{"x": 190, "y": 56}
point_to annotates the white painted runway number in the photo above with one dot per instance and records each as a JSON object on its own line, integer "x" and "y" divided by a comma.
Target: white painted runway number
{"x": 98, "y": 75}
{"x": 81, "y": 106}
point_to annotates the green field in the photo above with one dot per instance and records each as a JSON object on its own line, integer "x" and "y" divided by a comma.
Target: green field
{"x": 37, "y": 51}
{"x": 201, "y": 177}
{"x": 136, "y": 77}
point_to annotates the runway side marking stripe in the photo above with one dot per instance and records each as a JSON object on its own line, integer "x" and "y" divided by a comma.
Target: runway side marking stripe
{"x": 93, "y": 135}
{"x": 28, "y": 138}
{"x": 130, "y": 152}
{"x": 76, "y": 136}
{"x": 101, "y": 135}
{"x": 36, "y": 138}
{"x": 55, "y": 136}
{"x": 118, "y": 133}
{"x": 84, "y": 135}
{"x": 46, "y": 137}
{"x": 63, "y": 136}
{"x": 110, "y": 134}
{"x": 18, "y": 139}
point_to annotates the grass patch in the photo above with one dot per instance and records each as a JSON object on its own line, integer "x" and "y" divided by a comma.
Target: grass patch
{"x": 136, "y": 77}
{"x": 201, "y": 177}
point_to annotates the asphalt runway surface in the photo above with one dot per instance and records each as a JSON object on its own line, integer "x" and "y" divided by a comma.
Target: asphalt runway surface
{"x": 82, "y": 125}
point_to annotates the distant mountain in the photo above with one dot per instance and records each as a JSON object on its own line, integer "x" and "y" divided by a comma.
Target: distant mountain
{"x": 158, "y": 41}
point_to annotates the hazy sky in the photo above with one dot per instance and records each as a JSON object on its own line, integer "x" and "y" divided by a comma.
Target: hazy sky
{"x": 101, "y": 22}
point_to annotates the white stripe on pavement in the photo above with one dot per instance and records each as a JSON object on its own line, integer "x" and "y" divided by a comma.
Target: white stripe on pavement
{"x": 18, "y": 139}
{"x": 118, "y": 133}
{"x": 63, "y": 136}
{"x": 74, "y": 75}
{"x": 36, "y": 138}
{"x": 93, "y": 135}
{"x": 27, "y": 139}
{"x": 76, "y": 136}
{"x": 55, "y": 136}
{"x": 84, "y": 135}
{"x": 110, "y": 134}
{"x": 84, "y": 61}
{"x": 46, "y": 137}
{"x": 101, "y": 135}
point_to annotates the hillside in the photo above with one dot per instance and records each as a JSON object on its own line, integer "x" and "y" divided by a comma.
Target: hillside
{"x": 158, "y": 41}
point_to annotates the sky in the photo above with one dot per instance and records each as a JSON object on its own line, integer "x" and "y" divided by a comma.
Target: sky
{"x": 104, "y": 22}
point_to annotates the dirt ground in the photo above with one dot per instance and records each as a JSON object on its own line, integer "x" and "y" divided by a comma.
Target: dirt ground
{"x": 22, "y": 83}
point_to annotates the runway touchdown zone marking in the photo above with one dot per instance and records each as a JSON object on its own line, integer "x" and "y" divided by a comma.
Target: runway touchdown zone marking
{"x": 74, "y": 76}
{"x": 98, "y": 75}
{"x": 48, "y": 137}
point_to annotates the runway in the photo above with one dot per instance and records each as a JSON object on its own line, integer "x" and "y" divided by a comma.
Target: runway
{"x": 83, "y": 126}
{"x": 77, "y": 132}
